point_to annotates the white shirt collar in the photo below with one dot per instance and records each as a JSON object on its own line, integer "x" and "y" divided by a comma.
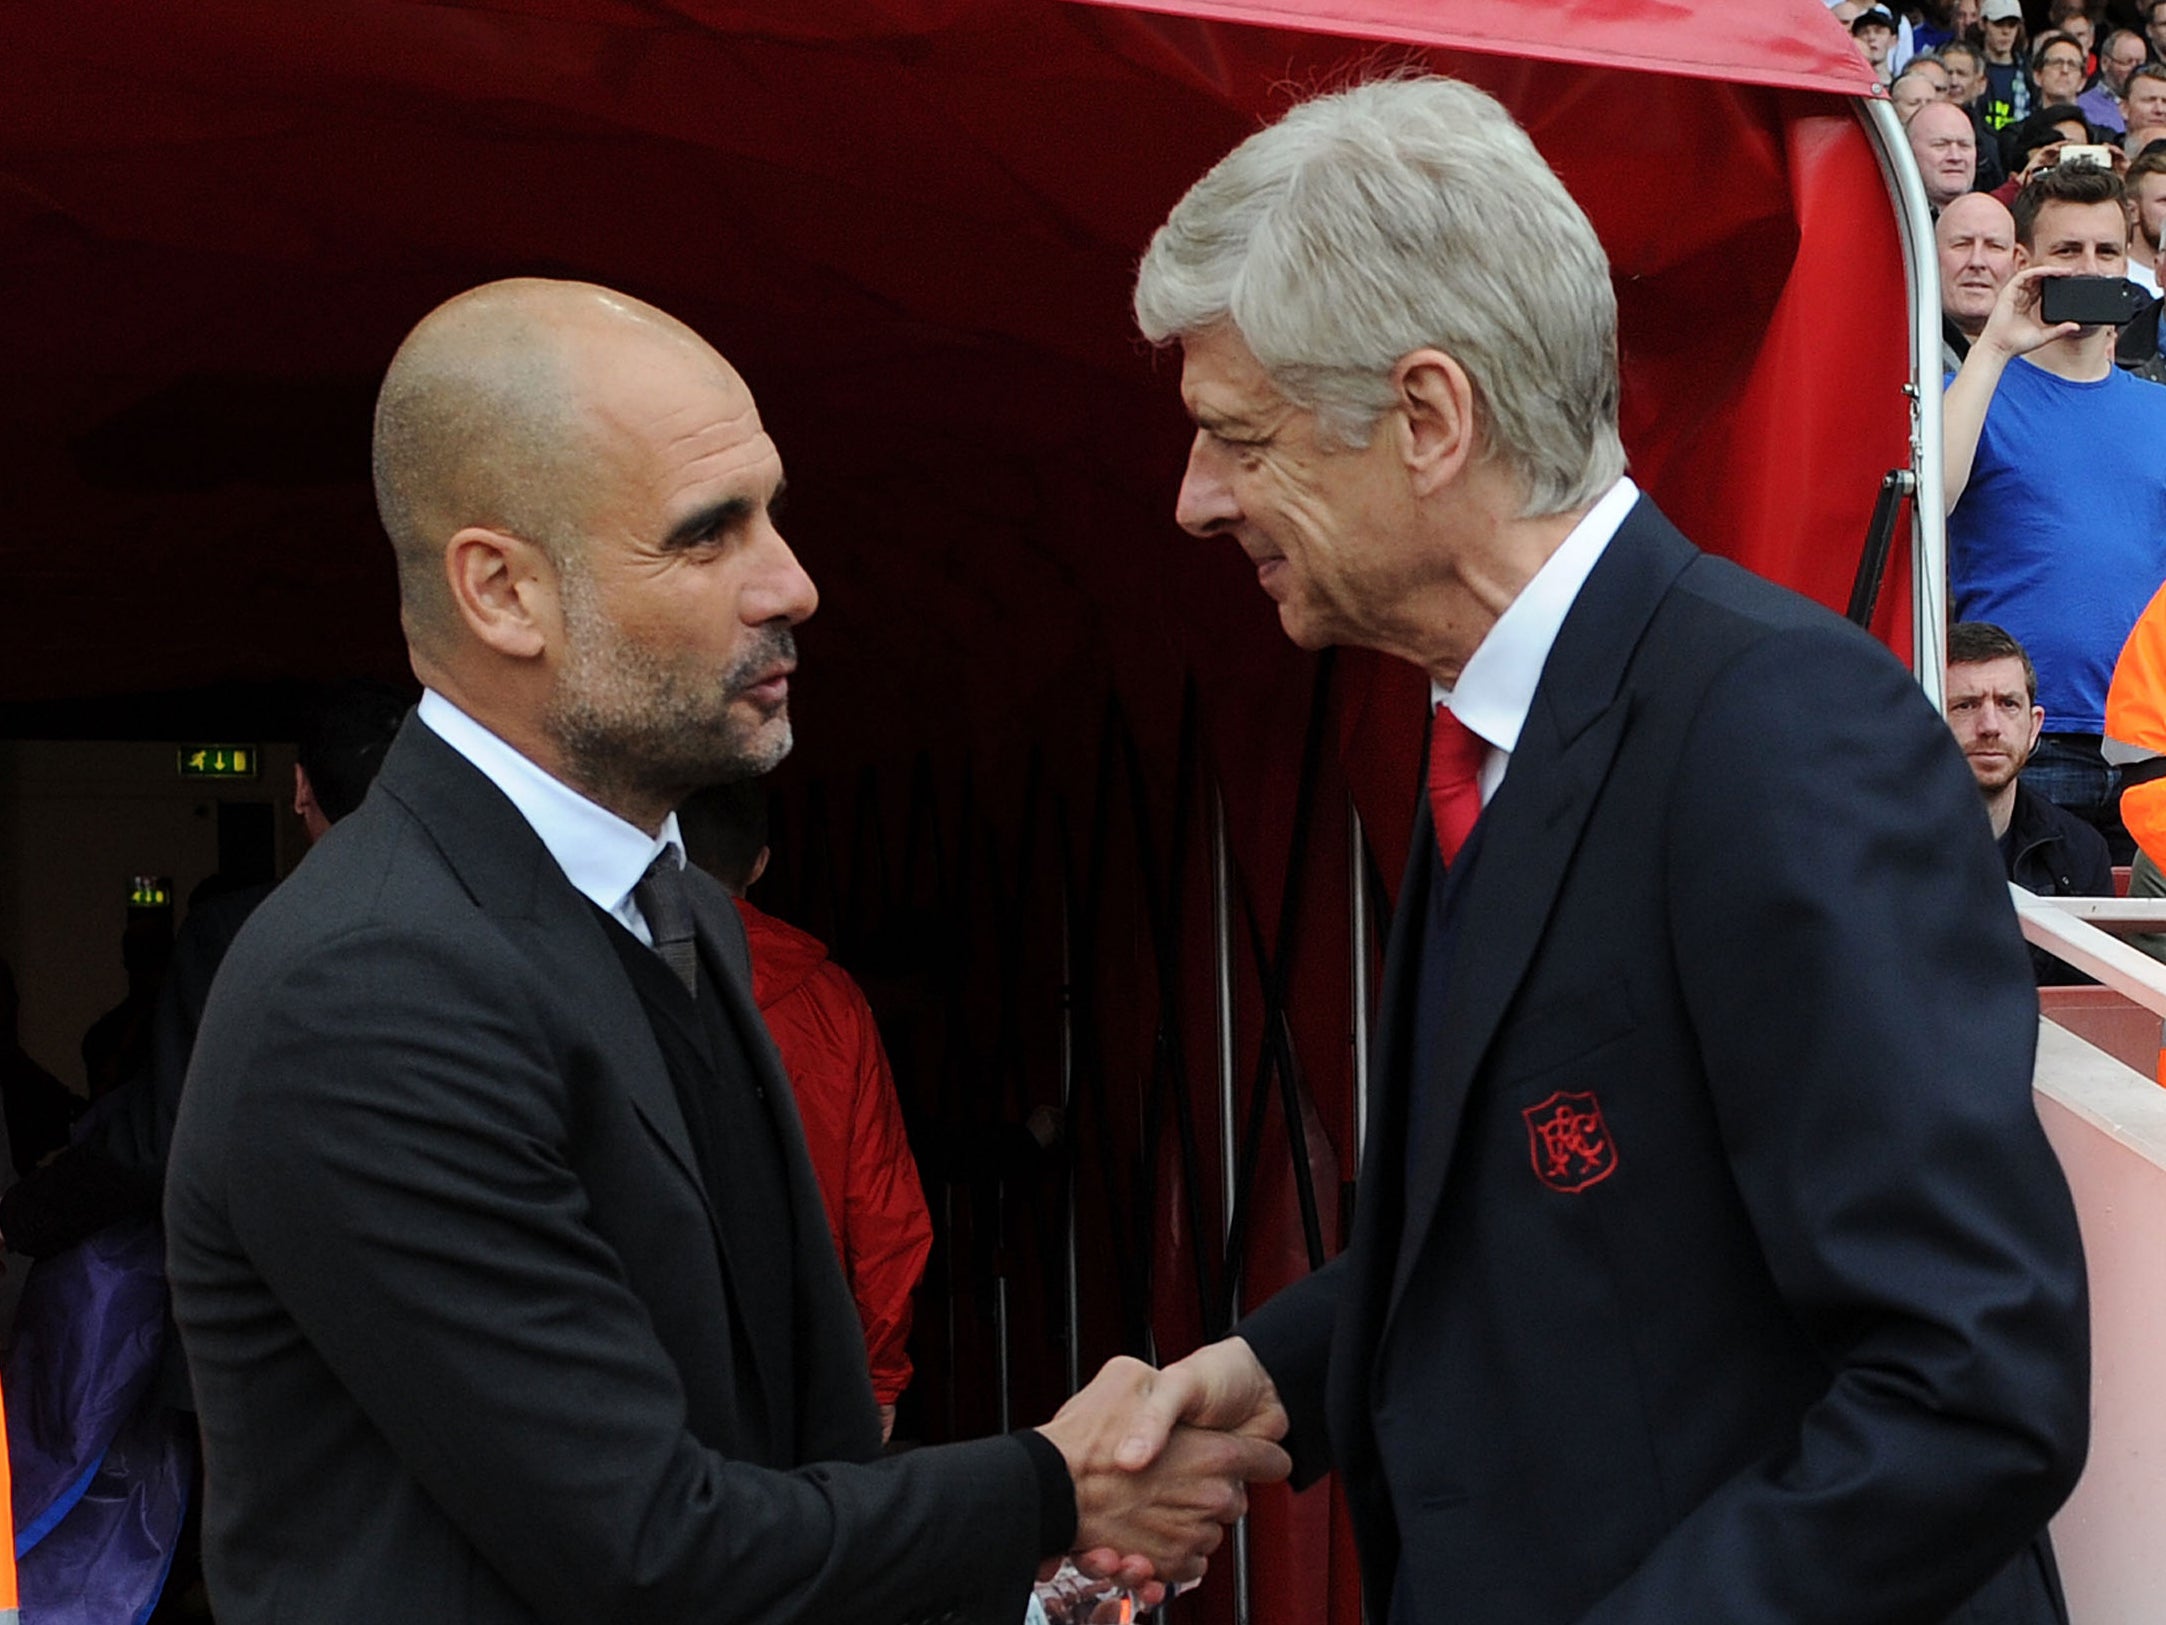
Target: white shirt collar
{"x": 1496, "y": 688}
{"x": 601, "y": 855}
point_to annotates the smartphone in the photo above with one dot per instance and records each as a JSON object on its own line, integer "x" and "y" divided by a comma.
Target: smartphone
{"x": 2078, "y": 153}
{"x": 2095, "y": 301}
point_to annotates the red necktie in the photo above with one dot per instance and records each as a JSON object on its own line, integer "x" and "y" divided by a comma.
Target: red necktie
{"x": 1456, "y": 754}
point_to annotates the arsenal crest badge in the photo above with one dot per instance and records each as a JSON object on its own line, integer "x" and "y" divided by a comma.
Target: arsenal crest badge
{"x": 1569, "y": 1142}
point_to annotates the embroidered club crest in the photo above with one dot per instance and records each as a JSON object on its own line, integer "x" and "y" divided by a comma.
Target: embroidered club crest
{"x": 1569, "y": 1143}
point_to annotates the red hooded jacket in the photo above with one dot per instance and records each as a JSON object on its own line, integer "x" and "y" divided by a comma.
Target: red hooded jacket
{"x": 853, "y": 1128}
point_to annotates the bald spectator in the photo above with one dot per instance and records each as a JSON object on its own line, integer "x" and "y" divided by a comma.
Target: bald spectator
{"x": 1912, "y": 90}
{"x": 1976, "y": 236}
{"x": 2124, "y": 52}
{"x": 1942, "y": 140}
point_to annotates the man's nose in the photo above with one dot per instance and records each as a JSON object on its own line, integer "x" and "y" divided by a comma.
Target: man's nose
{"x": 1206, "y": 504}
{"x": 782, "y": 590}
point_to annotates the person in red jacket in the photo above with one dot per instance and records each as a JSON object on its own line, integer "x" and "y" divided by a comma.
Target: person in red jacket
{"x": 831, "y": 1049}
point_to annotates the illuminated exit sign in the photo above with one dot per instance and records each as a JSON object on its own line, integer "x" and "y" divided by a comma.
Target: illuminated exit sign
{"x": 220, "y": 761}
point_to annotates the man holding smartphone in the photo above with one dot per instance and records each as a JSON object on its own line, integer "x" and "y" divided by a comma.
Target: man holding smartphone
{"x": 2064, "y": 563}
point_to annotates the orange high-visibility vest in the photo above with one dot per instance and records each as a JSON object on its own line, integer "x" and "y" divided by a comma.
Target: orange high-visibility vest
{"x": 7, "y": 1527}
{"x": 2136, "y": 715}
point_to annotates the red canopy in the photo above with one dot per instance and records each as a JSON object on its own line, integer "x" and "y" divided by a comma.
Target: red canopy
{"x": 913, "y": 224}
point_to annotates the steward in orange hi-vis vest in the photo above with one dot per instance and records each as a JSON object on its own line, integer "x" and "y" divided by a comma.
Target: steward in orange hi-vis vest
{"x": 2136, "y": 728}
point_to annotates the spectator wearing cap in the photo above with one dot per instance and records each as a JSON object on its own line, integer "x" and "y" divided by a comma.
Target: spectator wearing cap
{"x": 2065, "y": 560}
{"x": 1946, "y": 147}
{"x": 1976, "y": 237}
{"x": 1873, "y": 32}
{"x": 2122, "y": 54}
{"x": 2008, "y": 95}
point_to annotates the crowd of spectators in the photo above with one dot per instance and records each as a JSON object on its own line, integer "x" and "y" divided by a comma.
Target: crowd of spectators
{"x": 2039, "y": 130}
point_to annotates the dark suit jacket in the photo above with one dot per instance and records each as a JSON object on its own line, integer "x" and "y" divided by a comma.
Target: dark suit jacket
{"x": 456, "y": 1300}
{"x": 1735, "y": 1279}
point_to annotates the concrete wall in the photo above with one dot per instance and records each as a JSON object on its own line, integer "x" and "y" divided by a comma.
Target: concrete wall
{"x": 2108, "y": 1123}
{"x": 77, "y": 820}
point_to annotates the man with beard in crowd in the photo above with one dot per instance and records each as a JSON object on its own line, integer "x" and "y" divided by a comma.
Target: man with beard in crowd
{"x": 1993, "y": 710}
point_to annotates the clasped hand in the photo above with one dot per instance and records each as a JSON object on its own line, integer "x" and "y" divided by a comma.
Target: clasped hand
{"x": 1162, "y": 1459}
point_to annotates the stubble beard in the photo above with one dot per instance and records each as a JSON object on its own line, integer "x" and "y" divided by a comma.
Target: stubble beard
{"x": 633, "y": 726}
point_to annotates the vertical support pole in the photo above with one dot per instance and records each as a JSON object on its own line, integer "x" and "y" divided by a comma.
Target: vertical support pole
{"x": 1357, "y": 893}
{"x": 1071, "y": 1281}
{"x": 1228, "y": 1139}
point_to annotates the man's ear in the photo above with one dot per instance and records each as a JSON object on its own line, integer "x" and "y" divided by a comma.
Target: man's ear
{"x": 1436, "y": 402}
{"x": 504, "y": 588}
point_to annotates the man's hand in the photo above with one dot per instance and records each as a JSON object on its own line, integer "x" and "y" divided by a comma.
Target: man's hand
{"x": 2015, "y": 327}
{"x": 1162, "y": 1516}
{"x": 1222, "y": 1385}
{"x": 887, "y": 1423}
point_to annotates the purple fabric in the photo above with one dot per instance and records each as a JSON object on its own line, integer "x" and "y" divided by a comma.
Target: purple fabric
{"x": 105, "y": 1562}
{"x": 87, "y": 1339}
{"x": 101, "y": 1468}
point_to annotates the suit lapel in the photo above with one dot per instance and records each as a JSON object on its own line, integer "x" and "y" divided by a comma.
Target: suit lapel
{"x": 510, "y": 875}
{"x": 1530, "y": 830}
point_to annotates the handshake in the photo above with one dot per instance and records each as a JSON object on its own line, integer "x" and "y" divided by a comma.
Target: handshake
{"x": 1162, "y": 1459}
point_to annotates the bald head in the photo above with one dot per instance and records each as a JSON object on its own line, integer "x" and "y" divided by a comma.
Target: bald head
{"x": 1976, "y": 237}
{"x": 1946, "y": 147}
{"x": 488, "y": 417}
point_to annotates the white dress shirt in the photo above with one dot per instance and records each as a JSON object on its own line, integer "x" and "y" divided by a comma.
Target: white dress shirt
{"x": 1496, "y": 687}
{"x": 601, "y": 855}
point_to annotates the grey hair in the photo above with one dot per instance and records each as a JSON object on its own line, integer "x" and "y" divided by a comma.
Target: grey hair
{"x": 1398, "y": 215}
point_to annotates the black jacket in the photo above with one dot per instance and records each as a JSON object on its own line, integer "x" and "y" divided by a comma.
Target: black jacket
{"x": 2136, "y": 350}
{"x": 2054, "y": 853}
{"x": 1655, "y": 1320}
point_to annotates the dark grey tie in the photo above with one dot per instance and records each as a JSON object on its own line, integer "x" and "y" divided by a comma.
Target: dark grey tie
{"x": 666, "y": 904}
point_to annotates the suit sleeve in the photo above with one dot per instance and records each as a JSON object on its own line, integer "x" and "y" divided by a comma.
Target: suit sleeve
{"x": 1867, "y": 1023}
{"x": 1291, "y": 1337}
{"x": 404, "y": 1186}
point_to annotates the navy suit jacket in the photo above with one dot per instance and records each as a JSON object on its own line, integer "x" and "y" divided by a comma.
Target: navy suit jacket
{"x": 1733, "y": 1278}
{"x": 456, "y": 1298}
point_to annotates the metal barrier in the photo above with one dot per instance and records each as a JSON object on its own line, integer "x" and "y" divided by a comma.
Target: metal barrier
{"x": 2107, "y": 1121}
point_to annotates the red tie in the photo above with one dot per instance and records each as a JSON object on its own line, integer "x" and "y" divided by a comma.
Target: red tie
{"x": 1456, "y": 754}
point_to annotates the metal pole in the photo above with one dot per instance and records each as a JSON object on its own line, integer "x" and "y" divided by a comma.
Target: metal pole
{"x": 1357, "y": 891}
{"x": 1071, "y": 1282}
{"x": 1228, "y": 1147}
{"x": 1921, "y": 268}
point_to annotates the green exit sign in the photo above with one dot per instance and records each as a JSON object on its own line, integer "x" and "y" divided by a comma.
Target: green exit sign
{"x": 220, "y": 761}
